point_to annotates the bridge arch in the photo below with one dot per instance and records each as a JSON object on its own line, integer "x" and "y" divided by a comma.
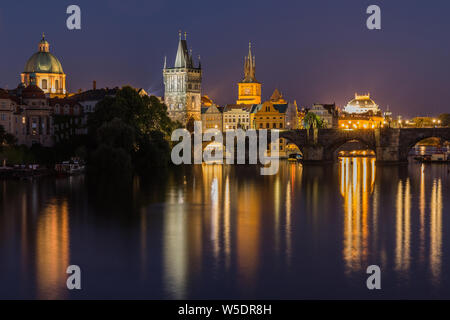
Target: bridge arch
{"x": 295, "y": 137}
{"x": 331, "y": 149}
{"x": 411, "y": 137}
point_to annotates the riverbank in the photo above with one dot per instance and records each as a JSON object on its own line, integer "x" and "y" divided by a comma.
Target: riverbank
{"x": 25, "y": 173}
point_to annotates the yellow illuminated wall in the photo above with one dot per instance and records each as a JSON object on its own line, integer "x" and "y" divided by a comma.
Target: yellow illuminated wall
{"x": 249, "y": 93}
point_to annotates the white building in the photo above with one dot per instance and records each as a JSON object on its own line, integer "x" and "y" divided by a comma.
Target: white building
{"x": 362, "y": 104}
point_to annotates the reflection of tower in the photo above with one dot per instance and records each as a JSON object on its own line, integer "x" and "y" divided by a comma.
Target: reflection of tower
{"x": 52, "y": 251}
{"x": 249, "y": 87}
{"x": 183, "y": 86}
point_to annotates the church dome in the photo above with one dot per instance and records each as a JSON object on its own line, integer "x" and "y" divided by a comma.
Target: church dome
{"x": 361, "y": 101}
{"x": 361, "y": 104}
{"x": 43, "y": 62}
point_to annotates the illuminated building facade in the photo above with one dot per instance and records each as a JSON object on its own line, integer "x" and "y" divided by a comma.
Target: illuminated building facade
{"x": 183, "y": 86}
{"x": 361, "y": 113}
{"x": 352, "y": 122}
{"x": 270, "y": 116}
{"x": 236, "y": 117}
{"x": 47, "y": 71}
{"x": 212, "y": 118}
{"x": 328, "y": 113}
{"x": 249, "y": 87}
{"x": 361, "y": 105}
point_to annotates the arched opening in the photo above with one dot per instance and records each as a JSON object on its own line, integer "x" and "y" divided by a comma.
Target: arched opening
{"x": 431, "y": 149}
{"x": 352, "y": 149}
{"x": 292, "y": 151}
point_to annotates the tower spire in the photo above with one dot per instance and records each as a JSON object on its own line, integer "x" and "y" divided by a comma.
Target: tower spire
{"x": 249, "y": 65}
{"x": 43, "y": 44}
{"x": 182, "y": 59}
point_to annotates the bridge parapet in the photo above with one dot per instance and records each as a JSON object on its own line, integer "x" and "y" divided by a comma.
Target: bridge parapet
{"x": 390, "y": 145}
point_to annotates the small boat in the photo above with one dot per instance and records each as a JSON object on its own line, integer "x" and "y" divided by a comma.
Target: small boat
{"x": 70, "y": 168}
{"x": 434, "y": 158}
{"x": 295, "y": 157}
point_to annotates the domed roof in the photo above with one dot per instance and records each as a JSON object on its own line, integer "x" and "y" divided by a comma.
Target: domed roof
{"x": 43, "y": 62}
{"x": 362, "y": 101}
{"x": 361, "y": 104}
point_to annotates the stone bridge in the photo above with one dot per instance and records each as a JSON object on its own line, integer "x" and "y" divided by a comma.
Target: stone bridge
{"x": 390, "y": 145}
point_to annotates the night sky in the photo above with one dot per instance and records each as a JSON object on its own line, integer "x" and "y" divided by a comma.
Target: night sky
{"x": 313, "y": 51}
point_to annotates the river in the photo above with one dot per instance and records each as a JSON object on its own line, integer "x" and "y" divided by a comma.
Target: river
{"x": 217, "y": 232}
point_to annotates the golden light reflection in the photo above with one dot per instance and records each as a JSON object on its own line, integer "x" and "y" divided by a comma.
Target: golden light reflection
{"x": 436, "y": 232}
{"x": 403, "y": 227}
{"x": 175, "y": 247}
{"x": 277, "y": 213}
{"x": 52, "y": 251}
{"x": 288, "y": 222}
{"x": 227, "y": 207}
{"x": 357, "y": 176}
{"x": 248, "y": 233}
{"x": 422, "y": 207}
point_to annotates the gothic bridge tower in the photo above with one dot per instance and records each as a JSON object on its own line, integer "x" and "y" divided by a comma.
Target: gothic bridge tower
{"x": 249, "y": 87}
{"x": 183, "y": 86}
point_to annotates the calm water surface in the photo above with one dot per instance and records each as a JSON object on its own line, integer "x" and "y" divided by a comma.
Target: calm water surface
{"x": 227, "y": 232}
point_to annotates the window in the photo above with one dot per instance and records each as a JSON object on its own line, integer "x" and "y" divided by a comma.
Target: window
{"x": 44, "y": 84}
{"x": 56, "y": 84}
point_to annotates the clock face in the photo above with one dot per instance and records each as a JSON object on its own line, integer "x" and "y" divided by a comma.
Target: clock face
{"x": 247, "y": 90}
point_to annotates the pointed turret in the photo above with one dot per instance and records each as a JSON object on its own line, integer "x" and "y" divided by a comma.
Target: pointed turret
{"x": 44, "y": 46}
{"x": 182, "y": 59}
{"x": 249, "y": 66}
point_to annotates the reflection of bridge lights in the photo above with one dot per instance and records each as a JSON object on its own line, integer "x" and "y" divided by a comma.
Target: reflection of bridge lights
{"x": 357, "y": 185}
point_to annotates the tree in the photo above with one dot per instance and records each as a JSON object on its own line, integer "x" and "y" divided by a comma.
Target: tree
{"x": 311, "y": 120}
{"x": 6, "y": 139}
{"x": 116, "y": 134}
{"x": 131, "y": 128}
{"x": 445, "y": 119}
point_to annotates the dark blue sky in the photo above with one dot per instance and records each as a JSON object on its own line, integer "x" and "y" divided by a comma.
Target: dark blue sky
{"x": 313, "y": 51}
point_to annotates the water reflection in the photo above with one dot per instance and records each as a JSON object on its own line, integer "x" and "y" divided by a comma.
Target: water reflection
{"x": 228, "y": 232}
{"x": 436, "y": 231}
{"x": 403, "y": 228}
{"x": 357, "y": 177}
{"x": 52, "y": 251}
